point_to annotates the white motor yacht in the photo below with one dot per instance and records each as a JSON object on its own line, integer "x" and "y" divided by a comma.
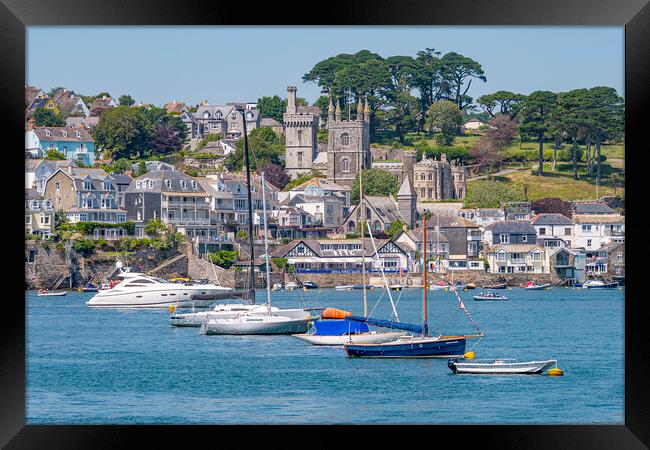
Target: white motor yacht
{"x": 228, "y": 311}
{"x": 137, "y": 290}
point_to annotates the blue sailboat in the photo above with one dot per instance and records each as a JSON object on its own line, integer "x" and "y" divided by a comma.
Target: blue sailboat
{"x": 410, "y": 346}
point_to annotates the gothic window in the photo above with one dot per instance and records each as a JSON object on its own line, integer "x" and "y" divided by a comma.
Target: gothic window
{"x": 299, "y": 136}
{"x": 345, "y": 139}
{"x": 345, "y": 164}
{"x": 299, "y": 154}
{"x": 351, "y": 226}
{"x": 422, "y": 177}
{"x": 206, "y": 115}
{"x": 377, "y": 225}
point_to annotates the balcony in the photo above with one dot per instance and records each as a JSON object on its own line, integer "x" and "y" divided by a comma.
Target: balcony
{"x": 187, "y": 221}
{"x": 82, "y": 151}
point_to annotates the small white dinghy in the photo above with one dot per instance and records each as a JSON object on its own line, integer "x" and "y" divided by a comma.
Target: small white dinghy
{"x": 46, "y": 293}
{"x": 499, "y": 366}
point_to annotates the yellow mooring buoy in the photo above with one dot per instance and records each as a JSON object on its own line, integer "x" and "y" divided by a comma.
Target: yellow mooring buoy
{"x": 469, "y": 355}
{"x": 171, "y": 309}
{"x": 555, "y": 372}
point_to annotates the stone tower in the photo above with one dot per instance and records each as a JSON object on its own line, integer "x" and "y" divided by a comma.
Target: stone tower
{"x": 459, "y": 177}
{"x": 348, "y": 146}
{"x": 301, "y": 137}
{"x": 407, "y": 202}
{"x": 409, "y": 159}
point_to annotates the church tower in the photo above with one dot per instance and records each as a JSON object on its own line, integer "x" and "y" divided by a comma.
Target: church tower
{"x": 301, "y": 137}
{"x": 348, "y": 144}
{"x": 407, "y": 202}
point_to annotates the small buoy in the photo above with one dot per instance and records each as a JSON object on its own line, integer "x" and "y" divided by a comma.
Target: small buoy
{"x": 469, "y": 355}
{"x": 555, "y": 372}
{"x": 171, "y": 309}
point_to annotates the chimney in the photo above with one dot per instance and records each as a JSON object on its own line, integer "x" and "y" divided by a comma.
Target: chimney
{"x": 291, "y": 99}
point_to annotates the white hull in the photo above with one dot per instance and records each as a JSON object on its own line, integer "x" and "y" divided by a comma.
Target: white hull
{"x": 255, "y": 324}
{"x": 155, "y": 296}
{"x": 528, "y": 367}
{"x": 537, "y": 288}
{"x": 196, "y": 319}
{"x": 435, "y": 287}
{"x": 361, "y": 338}
{"x": 52, "y": 294}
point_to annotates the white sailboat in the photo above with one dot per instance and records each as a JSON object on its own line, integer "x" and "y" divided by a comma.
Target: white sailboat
{"x": 248, "y": 323}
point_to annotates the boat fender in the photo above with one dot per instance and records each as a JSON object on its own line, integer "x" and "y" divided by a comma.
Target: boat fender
{"x": 555, "y": 372}
{"x": 171, "y": 309}
{"x": 469, "y": 355}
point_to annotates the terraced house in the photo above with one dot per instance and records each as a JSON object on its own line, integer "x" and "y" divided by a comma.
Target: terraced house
{"x": 76, "y": 144}
{"x": 39, "y": 214}
{"x": 87, "y": 195}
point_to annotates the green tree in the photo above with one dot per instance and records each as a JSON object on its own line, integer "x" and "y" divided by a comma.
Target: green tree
{"x": 403, "y": 114}
{"x": 142, "y": 169}
{"x": 123, "y": 132}
{"x": 504, "y": 102}
{"x": 44, "y": 117}
{"x": 126, "y": 100}
{"x": 121, "y": 165}
{"x": 54, "y": 154}
{"x": 571, "y": 117}
{"x": 490, "y": 194}
{"x": 535, "y": 120}
{"x": 55, "y": 90}
{"x": 458, "y": 72}
{"x": 223, "y": 258}
{"x": 265, "y": 148}
{"x": 375, "y": 182}
{"x": 273, "y": 107}
{"x": 395, "y": 229}
{"x": 155, "y": 228}
{"x": 446, "y": 117}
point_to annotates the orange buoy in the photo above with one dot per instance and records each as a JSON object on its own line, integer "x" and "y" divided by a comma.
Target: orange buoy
{"x": 333, "y": 313}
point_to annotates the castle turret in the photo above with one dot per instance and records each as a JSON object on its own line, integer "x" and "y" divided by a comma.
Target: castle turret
{"x": 338, "y": 110}
{"x": 359, "y": 110}
{"x": 366, "y": 111}
{"x": 291, "y": 99}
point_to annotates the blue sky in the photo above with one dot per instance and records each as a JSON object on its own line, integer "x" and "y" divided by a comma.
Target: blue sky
{"x": 222, "y": 64}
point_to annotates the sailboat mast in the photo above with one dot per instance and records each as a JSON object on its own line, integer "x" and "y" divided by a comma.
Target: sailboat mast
{"x": 250, "y": 215}
{"x": 266, "y": 248}
{"x": 425, "y": 327}
{"x": 363, "y": 249}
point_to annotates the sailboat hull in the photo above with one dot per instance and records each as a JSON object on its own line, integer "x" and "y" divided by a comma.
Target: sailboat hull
{"x": 366, "y": 338}
{"x": 411, "y": 348}
{"x": 250, "y": 327}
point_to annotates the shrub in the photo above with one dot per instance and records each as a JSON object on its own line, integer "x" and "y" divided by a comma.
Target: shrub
{"x": 155, "y": 227}
{"x": 85, "y": 247}
{"x": 223, "y": 258}
{"x": 241, "y": 235}
{"x": 101, "y": 242}
{"x": 281, "y": 263}
{"x": 566, "y": 156}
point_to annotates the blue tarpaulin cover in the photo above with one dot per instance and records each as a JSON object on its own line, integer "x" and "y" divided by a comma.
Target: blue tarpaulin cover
{"x": 339, "y": 327}
{"x": 388, "y": 323}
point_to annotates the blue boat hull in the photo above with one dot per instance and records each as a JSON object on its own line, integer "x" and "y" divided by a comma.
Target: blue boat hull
{"x": 428, "y": 348}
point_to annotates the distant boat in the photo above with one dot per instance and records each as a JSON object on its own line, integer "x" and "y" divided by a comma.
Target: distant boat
{"x": 598, "y": 284}
{"x": 489, "y": 296}
{"x": 342, "y": 331}
{"x": 439, "y": 286}
{"x": 351, "y": 287}
{"x": 396, "y": 287}
{"x": 460, "y": 286}
{"x": 309, "y": 285}
{"x": 470, "y": 286}
{"x": 495, "y": 286}
{"x": 89, "y": 287}
{"x": 48, "y": 293}
{"x": 498, "y": 366}
{"x": 532, "y": 286}
{"x": 290, "y": 286}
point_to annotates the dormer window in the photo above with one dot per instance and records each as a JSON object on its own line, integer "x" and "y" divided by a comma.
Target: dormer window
{"x": 168, "y": 183}
{"x": 233, "y": 115}
{"x": 65, "y": 133}
{"x": 138, "y": 184}
{"x": 193, "y": 184}
{"x": 88, "y": 185}
{"x": 217, "y": 115}
{"x": 183, "y": 184}
{"x": 206, "y": 115}
{"x": 47, "y": 133}
{"x": 48, "y": 204}
{"x": 107, "y": 185}
{"x": 34, "y": 204}
{"x": 150, "y": 184}
{"x": 78, "y": 134}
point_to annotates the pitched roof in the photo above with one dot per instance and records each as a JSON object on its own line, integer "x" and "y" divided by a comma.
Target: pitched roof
{"x": 515, "y": 248}
{"x": 406, "y": 188}
{"x": 160, "y": 178}
{"x": 511, "y": 226}
{"x": 598, "y": 218}
{"x": 322, "y": 183}
{"x": 551, "y": 219}
{"x": 450, "y": 222}
{"x": 67, "y": 134}
{"x": 31, "y": 92}
{"x": 592, "y": 208}
{"x": 175, "y": 106}
{"x": 269, "y": 122}
{"x": 432, "y": 236}
{"x": 121, "y": 178}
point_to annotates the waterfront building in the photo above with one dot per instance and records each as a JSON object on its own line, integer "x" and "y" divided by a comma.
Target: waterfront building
{"x": 380, "y": 213}
{"x": 592, "y": 231}
{"x": 516, "y": 258}
{"x": 566, "y": 263}
{"x": 616, "y": 260}
{"x": 553, "y": 230}
{"x": 76, "y": 144}
{"x": 510, "y": 232}
{"x": 296, "y": 223}
{"x": 463, "y": 235}
{"x": 344, "y": 255}
{"x": 87, "y": 195}
{"x": 39, "y": 214}
{"x": 411, "y": 240}
{"x": 326, "y": 210}
{"x": 319, "y": 186}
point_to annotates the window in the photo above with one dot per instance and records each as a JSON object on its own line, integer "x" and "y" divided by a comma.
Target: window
{"x": 107, "y": 185}
{"x": 168, "y": 183}
{"x": 586, "y": 228}
{"x": 524, "y": 238}
{"x": 183, "y": 184}
{"x": 503, "y": 238}
{"x": 619, "y": 256}
{"x": 299, "y": 157}
{"x": 28, "y": 219}
{"x": 588, "y": 242}
{"x": 217, "y": 115}
{"x": 138, "y": 184}
{"x": 206, "y": 115}
{"x": 542, "y": 231}
{"x": 430, "y": 177}
{"x": 34, "y": 204}
{"x": 58, "y": 185}
{"x": 345, "y": 139}
{"x": 193, "y": 184}
{"x": 87, "y": 185}
{"x": 537, "y": 256}
{"x": 567, "y": 231}
{"x": 345, "y": 165}
{"x": 501, "y": 256}
{"x": 422, "y": 177}
{"x": 45, "y": 219}
{"x": 150, "y": 184}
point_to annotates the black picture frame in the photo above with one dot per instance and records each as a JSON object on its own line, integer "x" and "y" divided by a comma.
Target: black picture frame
{"x": 15, "y": 15}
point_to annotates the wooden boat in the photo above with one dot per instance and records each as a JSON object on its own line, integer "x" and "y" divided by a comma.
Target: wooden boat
{"x": 409, "y": 346}
{"x": 532, "y": 286}
{"x": 470, "y": 286}
{"x": 499, "y": 366}
{"x": 598, "y": 284}
{"x": 495, "y": 286}
{"x": 48, "y": 293}
{"x": 439, "y": 286}
{"x": 486, "y": 296}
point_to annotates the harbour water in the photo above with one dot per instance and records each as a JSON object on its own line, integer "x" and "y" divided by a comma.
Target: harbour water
{"x": 88, "y": 366}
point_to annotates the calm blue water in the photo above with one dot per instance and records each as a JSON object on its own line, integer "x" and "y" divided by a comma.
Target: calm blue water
{"x": 87, "y": 366}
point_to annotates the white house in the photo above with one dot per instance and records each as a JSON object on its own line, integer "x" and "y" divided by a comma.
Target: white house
{"x": 472, "y": 124}
{"x": 553, "y": 230}
{"x": 517, "y": 258}
{"x": 592, "y": 231}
